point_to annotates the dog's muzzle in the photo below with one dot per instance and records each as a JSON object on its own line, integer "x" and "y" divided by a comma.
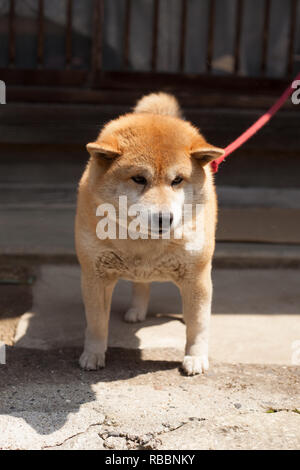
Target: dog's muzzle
{"x": 160, "y": 222}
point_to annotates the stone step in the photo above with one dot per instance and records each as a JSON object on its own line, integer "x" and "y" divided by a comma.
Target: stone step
{"x": 44, "y": 232}
{"x": 39, "y": 194}
{"x": 38, "y": 220}
{"x": 270, "y": 158}
{"x": 78, "y": 124}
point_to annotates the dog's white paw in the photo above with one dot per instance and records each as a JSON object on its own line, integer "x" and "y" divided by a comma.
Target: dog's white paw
{"x": 134, "y": 315}
{"x": 92, "y": 361}
{"x": 193, "y": 365}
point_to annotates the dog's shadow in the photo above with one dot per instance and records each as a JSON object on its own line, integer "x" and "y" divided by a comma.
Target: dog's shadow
{"x": 42, "y": 371}
{"x": 44, "y": 388}
{"x": 163, "y": 326}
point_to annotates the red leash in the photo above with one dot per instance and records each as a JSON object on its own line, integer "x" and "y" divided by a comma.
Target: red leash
{"x": 255, "y": 127}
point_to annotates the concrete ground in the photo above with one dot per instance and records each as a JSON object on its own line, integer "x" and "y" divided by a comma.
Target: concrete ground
{"x": 142, "y": 401}
{"x": 255, "y": 315}
{"x": 249, "y": 399}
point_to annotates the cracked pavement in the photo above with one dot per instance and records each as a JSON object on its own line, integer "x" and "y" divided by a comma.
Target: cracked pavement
{"x": 249, "y": 398}
{"x": 141, "y": 401}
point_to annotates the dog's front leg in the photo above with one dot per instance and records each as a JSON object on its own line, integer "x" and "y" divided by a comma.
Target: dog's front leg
{"x": 196, "y": 299}
{"x": 97, "y": 295}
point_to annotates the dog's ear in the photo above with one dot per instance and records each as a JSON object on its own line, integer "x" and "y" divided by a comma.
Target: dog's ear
{"x": 107, "y": 149}
{"x": 206, "y": 153}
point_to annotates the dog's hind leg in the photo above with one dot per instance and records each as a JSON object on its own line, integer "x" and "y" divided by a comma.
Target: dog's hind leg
{"x": 139, "y": 302}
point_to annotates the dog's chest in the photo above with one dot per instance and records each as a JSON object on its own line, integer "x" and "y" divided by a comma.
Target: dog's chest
{"x": 112, "y": 264}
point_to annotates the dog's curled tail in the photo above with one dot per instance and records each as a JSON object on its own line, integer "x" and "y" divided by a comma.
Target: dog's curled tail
{"x": 158, "y": 103}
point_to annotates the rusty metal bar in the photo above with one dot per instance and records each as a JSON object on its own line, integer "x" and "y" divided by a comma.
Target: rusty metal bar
{"x": 210, "y": 38}
{"x": 155, "y": 34}
{"x": 183, "y": 34}
{"x": 293, "y": 18}
{"x": 238, "y": 33}
{"x": 12, "y": 34}
{"x": 41, "y": 34}
{"x": 127, "y": 34}
{"x": 68, "y": 45}
{"x": 97, "y": 47}
{"x": 265, "y": 44}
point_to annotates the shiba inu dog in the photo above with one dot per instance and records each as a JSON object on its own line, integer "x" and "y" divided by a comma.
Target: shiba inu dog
{"x": 159, "y": 162}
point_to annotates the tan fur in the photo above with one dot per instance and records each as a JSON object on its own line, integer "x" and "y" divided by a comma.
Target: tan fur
{"x": 158, "y": 103}
{"x": 155, "y": 143}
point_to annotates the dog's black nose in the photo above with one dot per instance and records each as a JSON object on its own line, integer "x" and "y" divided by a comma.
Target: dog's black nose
{"x": 161, "y": 221}
{"x": 164, "y": 220}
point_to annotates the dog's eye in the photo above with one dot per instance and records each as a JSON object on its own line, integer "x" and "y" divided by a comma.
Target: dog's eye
{"x": 139, "y": 180}
{"x": 177, "y": 180}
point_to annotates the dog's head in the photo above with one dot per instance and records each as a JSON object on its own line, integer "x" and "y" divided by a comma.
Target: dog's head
{"x": 158, "y": 162}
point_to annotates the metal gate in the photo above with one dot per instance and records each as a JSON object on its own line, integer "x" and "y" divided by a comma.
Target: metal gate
{"x": 92, "y": 81}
